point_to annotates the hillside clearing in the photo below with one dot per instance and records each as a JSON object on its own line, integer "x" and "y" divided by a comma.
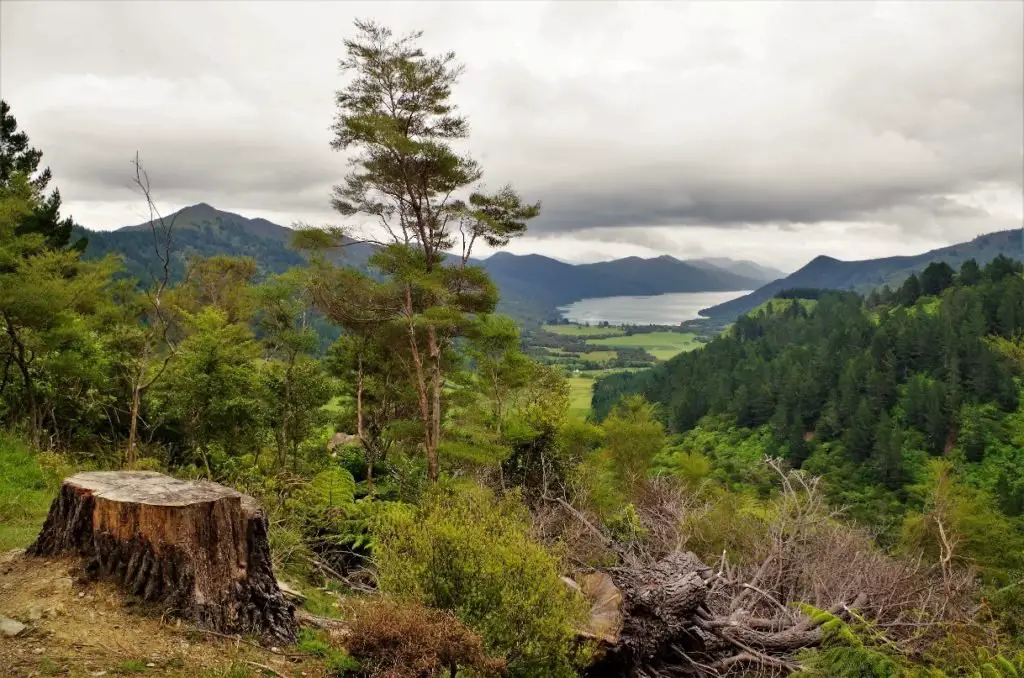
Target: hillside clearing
{"x": 662, "y": 345}
{"x": 574, "y": 330}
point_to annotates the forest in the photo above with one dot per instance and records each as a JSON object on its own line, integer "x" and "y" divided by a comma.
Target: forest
{"x": 840, "y": 479}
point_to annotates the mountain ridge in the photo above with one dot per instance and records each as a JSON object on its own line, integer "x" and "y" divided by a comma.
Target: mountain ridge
{"x": 863, "y": 275}
{"x": 533, "y": 286}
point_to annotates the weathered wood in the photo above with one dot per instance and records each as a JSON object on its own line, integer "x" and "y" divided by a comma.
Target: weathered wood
{"x": 657, "y": 619}
{"x": 199, "y": 547}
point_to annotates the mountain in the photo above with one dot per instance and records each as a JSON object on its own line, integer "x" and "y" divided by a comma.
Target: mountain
{"x": 532, "y": 286}
{"x": 863, "y": 276}
{"x": 206, "y": 231}
{"x": 743, "y": 267}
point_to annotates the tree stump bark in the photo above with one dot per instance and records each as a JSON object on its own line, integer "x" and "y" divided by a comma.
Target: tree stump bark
{"x": 199, "y": 547}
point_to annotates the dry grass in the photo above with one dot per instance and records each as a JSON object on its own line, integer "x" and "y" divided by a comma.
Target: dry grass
{"x": 82, "y": 629}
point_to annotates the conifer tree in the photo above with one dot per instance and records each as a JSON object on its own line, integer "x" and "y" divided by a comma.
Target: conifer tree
{"x": 397, "y": 121}
{"x": 18, "y": 156}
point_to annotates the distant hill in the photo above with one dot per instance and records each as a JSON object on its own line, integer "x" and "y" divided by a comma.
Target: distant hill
{"x": 205, "y": 231}
{"x": 743, "y": 267}
{"x": 532, "y": 286}
{"x": 863, "y": 276}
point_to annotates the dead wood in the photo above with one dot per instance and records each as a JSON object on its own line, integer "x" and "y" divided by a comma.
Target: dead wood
{"x": 197, "y": 547}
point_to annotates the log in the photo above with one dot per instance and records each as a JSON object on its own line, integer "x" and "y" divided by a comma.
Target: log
{"x": 659, "y": 619}
{"x": 197, "y": 547}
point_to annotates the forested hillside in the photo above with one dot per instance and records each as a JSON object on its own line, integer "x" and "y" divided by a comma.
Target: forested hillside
{"x": 429, "y": 495}
{"x": 873, "y": 395}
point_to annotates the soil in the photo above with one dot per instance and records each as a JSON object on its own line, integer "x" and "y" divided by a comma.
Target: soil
{"x": 78, "y": 627}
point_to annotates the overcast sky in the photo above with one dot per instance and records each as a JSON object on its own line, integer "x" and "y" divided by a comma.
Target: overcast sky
{"x": 772, "y": 132}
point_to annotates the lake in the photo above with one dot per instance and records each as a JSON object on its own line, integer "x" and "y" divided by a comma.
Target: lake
{"x": 660, "y": 309}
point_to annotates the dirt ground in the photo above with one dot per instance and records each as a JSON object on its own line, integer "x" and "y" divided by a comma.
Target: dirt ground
{"x": 89, "y": 629}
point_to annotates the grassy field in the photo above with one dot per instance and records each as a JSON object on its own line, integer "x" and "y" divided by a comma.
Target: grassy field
{"x": 598, "y": 355}
{"x": 26, "y": 489}
{"x": 582, "y": 331}
{"x": 662, "y": 345}
{"x": 581, "y": 390}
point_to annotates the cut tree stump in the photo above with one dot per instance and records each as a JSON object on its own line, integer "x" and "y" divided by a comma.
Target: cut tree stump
{"x": 199, "y": 547}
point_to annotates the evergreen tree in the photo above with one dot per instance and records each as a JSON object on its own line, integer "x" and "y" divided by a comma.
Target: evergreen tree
{"x": 970, "y": 273}
{"x": 886, "y": 456}
{"x": 910, "y": 290}
{"x": 935, "y": 278}
{"x": 860, "y": 436}
{"x": 397, "y": 118}
{"x": 18, "y": 157}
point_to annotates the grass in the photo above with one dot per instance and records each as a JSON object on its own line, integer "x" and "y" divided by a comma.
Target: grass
{"x": 598, "y": 356}
{"x": 662, "y": 345}
{"x": 581, "y": 392}
{"x": 26, "y": 489}
{"x": 573, "y": 330}
{"x": 130, "y": 666}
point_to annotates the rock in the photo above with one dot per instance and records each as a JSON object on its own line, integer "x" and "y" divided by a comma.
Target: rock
{"x": 11, "y": 628}
{"x": 35, "y": 613}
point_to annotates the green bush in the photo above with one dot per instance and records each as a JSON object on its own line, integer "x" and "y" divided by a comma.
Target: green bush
{"x": 28, "y": 482}
{"x": 464, "y": 551}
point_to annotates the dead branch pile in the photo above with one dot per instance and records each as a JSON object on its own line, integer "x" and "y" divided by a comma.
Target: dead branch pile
{"x": 674, "y": 615}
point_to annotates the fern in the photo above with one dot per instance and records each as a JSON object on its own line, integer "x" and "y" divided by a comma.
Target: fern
{"x": 848, "y": 650}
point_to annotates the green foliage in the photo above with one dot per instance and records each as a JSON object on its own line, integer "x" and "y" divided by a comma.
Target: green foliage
{"x": 213, "y": 394}
{"x": 849, "y": 651}
{"x": 961, "y": 519}
{"x": 633, "y": 437}
{"x": 18, "y": 158}
{"x": 463, "y": 551}
{"x": 28, "y": 482}
{"x": 337, "y": 662}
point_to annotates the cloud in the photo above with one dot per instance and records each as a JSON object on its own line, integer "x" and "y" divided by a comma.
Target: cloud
{"x": 704, "y": 127}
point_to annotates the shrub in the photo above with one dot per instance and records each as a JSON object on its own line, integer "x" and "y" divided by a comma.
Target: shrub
{"x": 410, "y": 641}
{"x": 466, "y": 552}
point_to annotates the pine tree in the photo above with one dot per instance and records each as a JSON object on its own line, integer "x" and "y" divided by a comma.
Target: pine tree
{"x": 396, "y": 118}
{"x": 18, "y": 157}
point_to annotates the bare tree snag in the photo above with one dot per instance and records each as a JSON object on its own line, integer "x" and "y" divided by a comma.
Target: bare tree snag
{"x": 199, "y": 547}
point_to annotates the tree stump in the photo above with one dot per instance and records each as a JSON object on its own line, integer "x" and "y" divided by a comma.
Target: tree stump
{"x": 199, "y": 547}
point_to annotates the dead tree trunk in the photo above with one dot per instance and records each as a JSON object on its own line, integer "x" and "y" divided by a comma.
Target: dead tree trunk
{"x": 199, "y": 547}
{"x": 668, "y": 619}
